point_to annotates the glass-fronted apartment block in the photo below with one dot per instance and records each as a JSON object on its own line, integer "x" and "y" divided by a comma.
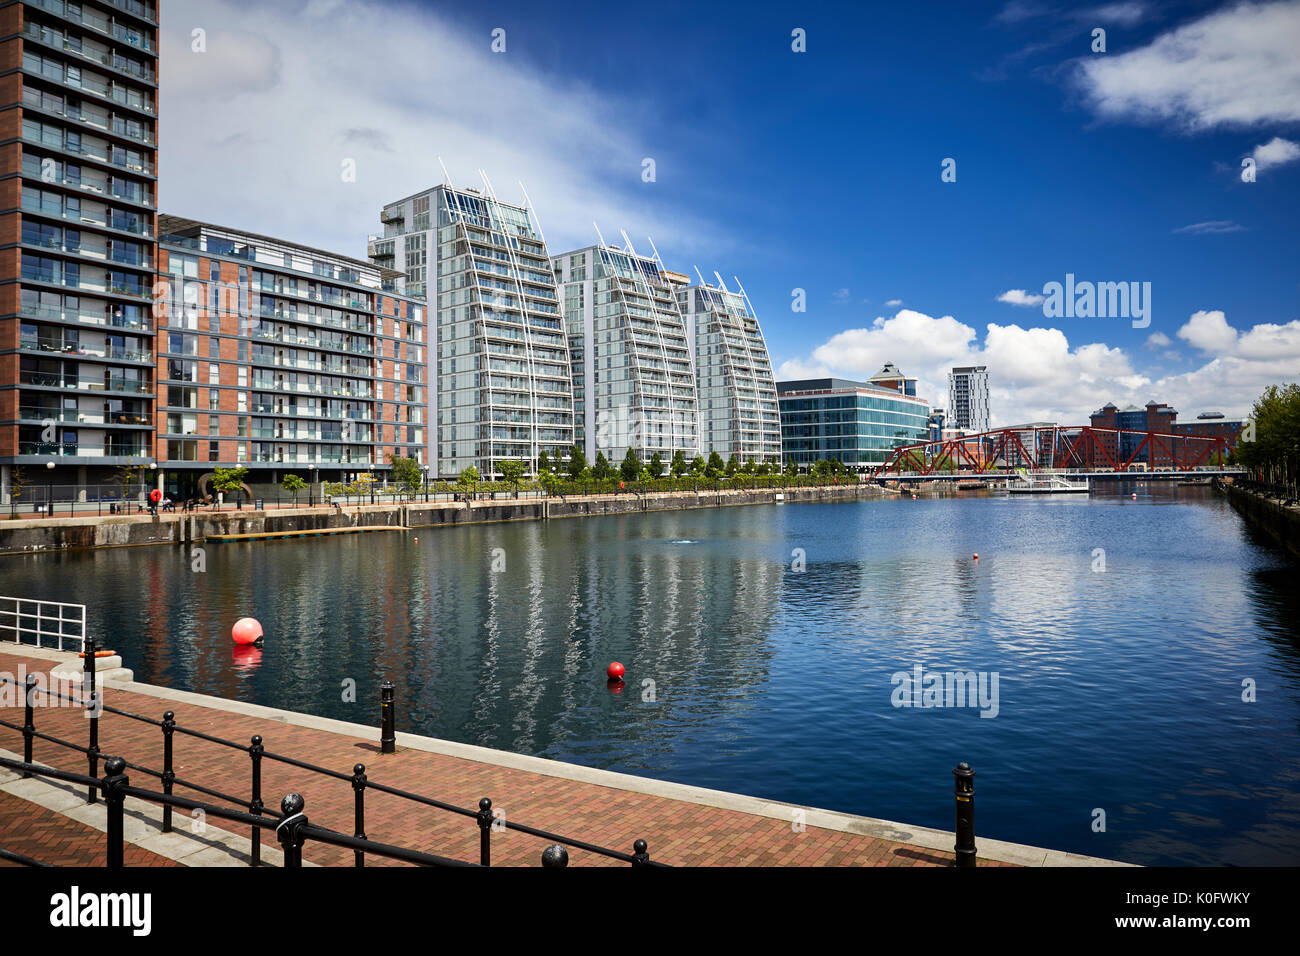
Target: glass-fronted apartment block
{"x": 968, "y": 398}
{"x": 77, "y": 226}
{"x": 630, "y": 354}
{"x": 283, "y": 359}
{"x": 733, "y": 373}
{"x": 856, "y": 423}
{"x": 503, "y": 381}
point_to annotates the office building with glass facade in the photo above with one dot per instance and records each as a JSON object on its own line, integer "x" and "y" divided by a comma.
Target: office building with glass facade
{"x": 856, "y": 423}
{"x": 733, "y": 373}
{"x": 78, "y": 224}
{"x": 633, "y": 381}
{"x": 502, "y": 357}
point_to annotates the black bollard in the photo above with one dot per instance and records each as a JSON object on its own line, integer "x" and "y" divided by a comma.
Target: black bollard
{"x": 640, "y": 854}
{"x": 965, "y": 793}
{"x": 387, "y": 736}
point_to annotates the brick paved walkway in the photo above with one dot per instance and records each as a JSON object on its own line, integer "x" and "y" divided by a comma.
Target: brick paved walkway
{"x": 677, "y": 831}
{"x": 51, "y": 837}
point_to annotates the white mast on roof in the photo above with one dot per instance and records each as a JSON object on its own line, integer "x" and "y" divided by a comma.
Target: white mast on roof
{"x": 533, "y": 212}
{"x": 446, "y": 176}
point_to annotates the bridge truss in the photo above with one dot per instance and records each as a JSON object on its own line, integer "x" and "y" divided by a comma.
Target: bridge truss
{"x": 1057, "y": 447}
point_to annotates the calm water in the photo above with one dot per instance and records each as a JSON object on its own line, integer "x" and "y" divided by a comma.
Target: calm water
{"x": 1118, "y": 690}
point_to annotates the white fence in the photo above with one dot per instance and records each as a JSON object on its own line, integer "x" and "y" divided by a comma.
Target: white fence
{"x": 49, "y": 622}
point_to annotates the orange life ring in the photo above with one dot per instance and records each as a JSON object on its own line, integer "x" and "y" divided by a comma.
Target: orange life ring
{"x": 155, "y": 496}
{"x": 100, "y": 654}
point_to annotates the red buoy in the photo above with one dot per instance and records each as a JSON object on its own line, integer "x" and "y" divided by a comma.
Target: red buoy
{"x": 975, "y": 556}
{"x": 246, "y": 631}
{"x": 614, "y": 671}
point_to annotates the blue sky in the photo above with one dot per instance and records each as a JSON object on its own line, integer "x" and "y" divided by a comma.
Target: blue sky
{"x": 816, "y": 170}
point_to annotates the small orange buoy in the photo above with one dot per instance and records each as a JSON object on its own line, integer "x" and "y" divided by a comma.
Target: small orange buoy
{"x": 247, "y": 630}
{"x": 1135, "y": 497}
{"x": 975, "y": 556}
{"x": 615, "y": 671}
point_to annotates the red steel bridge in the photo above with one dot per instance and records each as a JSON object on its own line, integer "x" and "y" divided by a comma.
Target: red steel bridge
{"x": 1080, "y": 448}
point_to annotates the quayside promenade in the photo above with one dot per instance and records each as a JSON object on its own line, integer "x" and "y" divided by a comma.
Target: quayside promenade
{"x": 682, "y": 825}
{"x": 41, "y": 534}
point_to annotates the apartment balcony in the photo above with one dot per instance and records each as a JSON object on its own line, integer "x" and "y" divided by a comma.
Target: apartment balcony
{"x": 83, "y": 384}
{"x": 77, "y": 317}
{"x": 44, "y": 449}
{"x": 112, "y": 60}
{"x": 101, "y": 353}
{"x": 73, "y": 416}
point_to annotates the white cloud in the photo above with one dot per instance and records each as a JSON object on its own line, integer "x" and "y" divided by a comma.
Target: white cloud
{"x": 255, "y": 130}
{"x": 893, "y": 302}
{"x": 1276, "y": 152}
{"x": 840, "y": 296}
{"x": 1234, "y": 67}
{"x": 1209, "y": 332}
{"x": 1020, "y": 297}
{"x": 1125, "y": 14}
{"x": 1036, "y": 374}
{"x": 1212, "y": 228}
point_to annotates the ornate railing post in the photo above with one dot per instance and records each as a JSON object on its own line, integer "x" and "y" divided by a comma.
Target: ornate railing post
{"x": 255, "y": 806}
{"x": 965, "y": 793}
{"x": 485, "y": 819}
{"x": 555, "y": 857}
{"x": 168, "y": 771}
{"x": 29, "y": 720}
{"x": 88, "y": 697}
{"x": 359, "y": 799}
{"x": 114, "y": 781}
{"x": 289, "y": 829}
{"x": 640, "y": 854}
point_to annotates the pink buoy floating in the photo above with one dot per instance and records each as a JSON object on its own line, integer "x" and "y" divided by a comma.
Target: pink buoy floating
{"x": 247, "y": 630}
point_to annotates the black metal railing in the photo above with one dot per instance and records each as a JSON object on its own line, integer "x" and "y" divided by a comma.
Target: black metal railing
{"x": 293, "y": 830}
{"x": 254, "y": 812}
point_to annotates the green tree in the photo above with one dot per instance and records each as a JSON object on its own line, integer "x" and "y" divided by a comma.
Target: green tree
{"x": 749, "y": 467}
{"x": 543, "y": 463}
{"x": 733, "y": 465}
{"x": 656, "y": 466}
{"x": 512, "y": 473}
{"x": 792, "y": 469}
{"x": 227, "y": 481}
{"x": 602, "y": 469}
{"x": 1270, "y": 443}
{"x": 715, "y": 468}
{"x": 293, "y": 484}
{"x": 468, "y": 480}
{"x": 679, "y": 465}
{"x": 763, "y": 468}
{"x": 577, "y": 461}
{"x": 631, "y": 466}
{"x": 698, "y": 467}
{"x": 407, "y": 472}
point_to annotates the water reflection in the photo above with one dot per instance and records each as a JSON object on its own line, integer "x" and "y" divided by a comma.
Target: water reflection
{"x": 776, "y": 681}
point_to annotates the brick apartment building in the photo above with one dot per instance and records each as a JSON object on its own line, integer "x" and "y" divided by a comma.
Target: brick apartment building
{"x": 282, "y": 358}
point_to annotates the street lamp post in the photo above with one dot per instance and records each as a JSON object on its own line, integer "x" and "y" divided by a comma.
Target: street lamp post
{"x": 311, "y": 485}
{"x": 153, "y": 469}
{"x": 49, "y": 487}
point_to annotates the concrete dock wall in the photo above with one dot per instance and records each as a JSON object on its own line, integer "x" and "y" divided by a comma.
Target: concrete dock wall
{"x": 1268, "y": 515}
{"x": 34, "y": 535}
